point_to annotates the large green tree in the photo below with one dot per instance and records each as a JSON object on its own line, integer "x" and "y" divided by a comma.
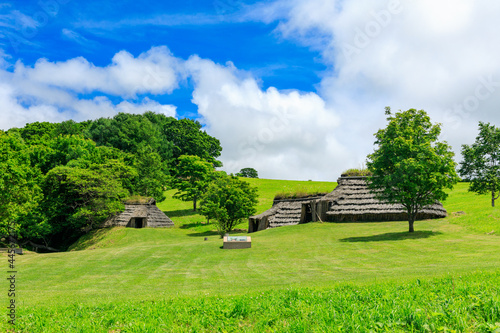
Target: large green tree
{"x": 410, "y": 166}
{"x": 129, "y": 132}
{"x": 152, "y": 174}
{"x": 191, "y": 178}
{"x": 481, "y": 162}
{"x": 188, "y": 138}
{"x": 228, "y": 200}
{"x": 77, "y": 200}
{"x": 248, "y": 173}
{"x": 19, "y": 190}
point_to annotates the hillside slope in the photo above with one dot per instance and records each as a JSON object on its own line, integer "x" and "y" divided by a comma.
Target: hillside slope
{"x": 123, "y": 263}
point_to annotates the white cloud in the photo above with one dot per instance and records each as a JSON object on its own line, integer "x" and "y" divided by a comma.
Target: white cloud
{"x": 426, "y": 54}
{"x": 287, "y": 135}
{"x": 151, "y": 72}
{"x": 441, "y": 56}
{"x": 146, "y": 105}
{"x": 49, "y": 91}
{"x": 78, "y": 38}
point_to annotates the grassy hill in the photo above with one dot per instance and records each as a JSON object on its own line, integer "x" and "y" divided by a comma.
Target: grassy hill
{"x": 140, "y": 280}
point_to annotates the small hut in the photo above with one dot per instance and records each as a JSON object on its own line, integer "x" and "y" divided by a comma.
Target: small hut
{"x": 140, "y": 213}
{"x": 350, "y": 201}
{"x": 283, "y": 212}
{"x": 353, "y": 201}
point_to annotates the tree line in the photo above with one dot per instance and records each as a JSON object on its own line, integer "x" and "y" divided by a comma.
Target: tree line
{"x": 60, "y": 180}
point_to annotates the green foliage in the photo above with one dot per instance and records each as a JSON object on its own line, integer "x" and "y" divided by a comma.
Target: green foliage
{"x": 248, "y": 173}
{"x": 37, "y": 132}
{"x": 188, "y": 139}
{"x": 228, "y": 200}
{"x": 129, "y": 132}
{"x": 19, "y": 190}
{"x": 314, "y": 277}
{"x": 191, "y": 178}
{"x": 410, "y": 166}
{"x": 78, "y": 200}
{"x": 152, "y": 174}
{"x": 481, "y": 162}
{"x": 48, "y": 154}
{"x": 84, "y": 168}
{"x": 300, "y": 193}
{"x": 356, "y": 172}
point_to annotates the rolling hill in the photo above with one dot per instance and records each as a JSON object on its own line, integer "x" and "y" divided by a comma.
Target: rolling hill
{"x": 110, "y": 270}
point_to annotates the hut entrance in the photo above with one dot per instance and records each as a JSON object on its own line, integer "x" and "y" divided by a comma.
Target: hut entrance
{"x": 139, "y": 222}
{"x": 306, "y": 215}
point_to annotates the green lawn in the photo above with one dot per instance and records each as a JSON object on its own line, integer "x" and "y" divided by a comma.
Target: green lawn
{"x": 121, "y": 266}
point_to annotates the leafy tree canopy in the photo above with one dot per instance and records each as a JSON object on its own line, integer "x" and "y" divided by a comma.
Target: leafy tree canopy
{"x": 481, "y": 162}
{"x": 229, "y": 200}
{"x": 191, "y": 178}
{"x": 248, "y": 173}
{"x": 77, "y": 200}
{"x": 19, "y": 190}
{"x": 188, "y": 139}
{"x": 128, "y": 132}
{"x": 411, "y": 167}
{"x": 60, "y": 179}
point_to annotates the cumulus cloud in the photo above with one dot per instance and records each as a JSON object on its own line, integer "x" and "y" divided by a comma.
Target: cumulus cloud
{"x": 51, "y": 91}
{"x": 282, "y": 134}
{"x": 441, "y": 56}
{"x": 151, "y": 72}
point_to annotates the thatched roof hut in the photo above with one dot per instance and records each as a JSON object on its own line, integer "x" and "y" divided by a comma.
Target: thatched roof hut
{"x": 353, "y": 201}
{"x": 140, "y": 213}
{"x": 350, "y": 201}
{"x": 283, "y": 212}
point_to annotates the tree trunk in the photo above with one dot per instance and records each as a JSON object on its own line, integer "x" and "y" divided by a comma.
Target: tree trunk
{"x": 492, "y": 198}
{"x": 411, "y": 220}
{"x": 194, "y": 204}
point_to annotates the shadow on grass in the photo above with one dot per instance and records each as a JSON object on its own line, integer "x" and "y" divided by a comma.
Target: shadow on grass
{"x": 213, "y": 233}
{"x": 393, "y": 236}
{"x": 192, "y": 225}
{"x": 203, "y": 234}
{"x": 180, "y": 212}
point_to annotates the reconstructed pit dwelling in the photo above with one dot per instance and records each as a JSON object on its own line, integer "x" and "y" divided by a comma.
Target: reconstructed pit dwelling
{"x": 350, "y": 201}
{"x": 141, "y": 213}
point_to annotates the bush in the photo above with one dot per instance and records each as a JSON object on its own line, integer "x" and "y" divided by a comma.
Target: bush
{"x": 356, "y": 172}
{"x": 298, "y": 194}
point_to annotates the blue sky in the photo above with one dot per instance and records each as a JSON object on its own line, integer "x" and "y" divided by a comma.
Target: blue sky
{"x": 215, "y": 30}
{"x": 294, "y": 89}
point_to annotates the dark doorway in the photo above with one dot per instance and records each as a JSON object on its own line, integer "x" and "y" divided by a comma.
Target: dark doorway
{"x": 139, "y": 222}
{"x": 308, "y": 217}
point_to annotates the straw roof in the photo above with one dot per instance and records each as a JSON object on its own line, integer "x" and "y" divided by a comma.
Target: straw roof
{"x": 286, "y": 213}
{"x": 140, "y": 209}
{"x": 352, "y": 200}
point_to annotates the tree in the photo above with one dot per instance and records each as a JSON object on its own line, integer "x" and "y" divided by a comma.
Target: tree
{"x": 77, "y": 200}
{"x": 19, "y": 190}
{"x": 481, "y": 163}
{"x": 188, "y": 139}
{"x": 191, "y": 178}
{"x": 248, "y": 173}
{"x": 152, "y": 174}
{"x": 228, "y": 200}
{"x": 128, "y": 132}
{"x": 410, "y": 166}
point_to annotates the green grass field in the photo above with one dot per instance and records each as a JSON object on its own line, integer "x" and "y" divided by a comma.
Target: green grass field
{"x": 312, "y": 277}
